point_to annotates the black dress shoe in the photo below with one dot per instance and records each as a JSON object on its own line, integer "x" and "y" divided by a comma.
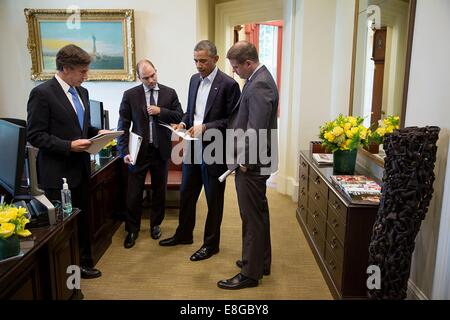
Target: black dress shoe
{"x": 155, "y": 232}
{"x": 240, "y": 264}
{"x": 239, "y": 281}
{"x": 90, "y": 273}
{"x": 204, "y": 253}
{"x": 173, "y": 241}
{"x": 130, "y": 240}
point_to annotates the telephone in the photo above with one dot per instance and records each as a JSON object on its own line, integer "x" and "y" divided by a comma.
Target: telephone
{"x": 37, "y": 213}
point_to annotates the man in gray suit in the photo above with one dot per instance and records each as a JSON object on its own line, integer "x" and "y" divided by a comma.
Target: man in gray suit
{"x": 254, "y": 159}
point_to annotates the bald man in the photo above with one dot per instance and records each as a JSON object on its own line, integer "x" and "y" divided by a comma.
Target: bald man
{"x": 144, "y": 106}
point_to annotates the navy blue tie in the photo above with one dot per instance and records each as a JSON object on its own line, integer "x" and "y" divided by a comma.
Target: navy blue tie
{"x": 78, "y": 106}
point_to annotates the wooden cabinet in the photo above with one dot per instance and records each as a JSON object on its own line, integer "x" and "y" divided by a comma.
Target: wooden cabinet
{"x": 107, "y": 191}
{"x": 41, "y": 272}
{"x": 337, "y": 231}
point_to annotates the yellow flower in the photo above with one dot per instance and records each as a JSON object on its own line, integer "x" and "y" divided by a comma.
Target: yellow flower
{"x": 329, "y": 136}
{"x": 13, "y": 221}
{"x": 24, "y": 233}
{"x": 337, "y": 131}
{"x": 347, "y": 126}
{"x": 7, "y": 230}
{"x": 353, "y": 121}
{"x": 381, "y": 131}
{"x": 8, "y": 215}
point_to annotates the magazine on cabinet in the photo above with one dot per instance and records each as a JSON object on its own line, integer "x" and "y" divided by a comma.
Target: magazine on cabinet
{"x": 359, "y": 189}
{"x": 323, "y": 158}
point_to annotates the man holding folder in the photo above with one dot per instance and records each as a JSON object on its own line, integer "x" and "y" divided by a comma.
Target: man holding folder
{"x": 143, "y": 106}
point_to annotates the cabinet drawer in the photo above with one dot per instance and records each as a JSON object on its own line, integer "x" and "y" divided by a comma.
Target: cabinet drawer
{"x": 316, "y": 234}
{"x": 335, "y": 223}
{"x": 319, "y": 198}
{"x": 339, "y": 208}
{"x": 320, "y": 218}
{"x": 335, "y": 245}
{"x": 303, "y": 195}
{"x": 316, "y": 182}
{"x": 303, "y": 212}
{"x": 304, "y": 169}
{"x": 333, "y": 266}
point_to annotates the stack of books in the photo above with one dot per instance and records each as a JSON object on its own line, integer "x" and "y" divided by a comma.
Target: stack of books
{"x": 359, "y": 189}
{"x": 323, "y": 158}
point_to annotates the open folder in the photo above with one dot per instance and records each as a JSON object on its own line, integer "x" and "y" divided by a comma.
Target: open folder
{"x": 134, "y": 144}
{"x": 101, "y": 140}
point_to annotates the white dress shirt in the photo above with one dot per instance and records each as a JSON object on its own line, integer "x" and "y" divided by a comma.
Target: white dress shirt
{"x": 202, "y": 97}
{"x": 155, "y": 94}
{"x": 66, "y": 88}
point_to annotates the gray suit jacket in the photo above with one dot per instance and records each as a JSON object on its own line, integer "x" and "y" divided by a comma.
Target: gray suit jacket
{"x": 256, "y": 115}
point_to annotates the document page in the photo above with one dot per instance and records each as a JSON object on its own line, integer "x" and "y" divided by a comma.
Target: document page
{"x": 101, "y": 140}
{"x": 181, "y": 134}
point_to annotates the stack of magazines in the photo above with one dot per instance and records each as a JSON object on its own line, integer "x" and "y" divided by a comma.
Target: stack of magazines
{"x": 359, "y": 189}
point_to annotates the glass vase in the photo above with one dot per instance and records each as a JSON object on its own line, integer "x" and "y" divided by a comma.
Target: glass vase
{"x": 9, "y": 247}
{"x": 344, "y": 161}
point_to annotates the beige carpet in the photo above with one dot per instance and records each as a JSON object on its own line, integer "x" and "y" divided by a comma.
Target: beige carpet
{"x": 149, "y": 271}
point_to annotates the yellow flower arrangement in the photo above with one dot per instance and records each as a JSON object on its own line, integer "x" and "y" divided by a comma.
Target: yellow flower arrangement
{"x": 111, "y": 144}
{"x": 13, "y": 221}
{"x": 344, "y": 133}
{"x": 386, "y": 126}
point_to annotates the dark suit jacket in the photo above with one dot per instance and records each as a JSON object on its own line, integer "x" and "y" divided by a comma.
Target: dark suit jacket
{"x": 52, "y": 125}
{"x": 257, "y": 109}
{"x": 133, "y": 108}
{"x": 222, "y": 98}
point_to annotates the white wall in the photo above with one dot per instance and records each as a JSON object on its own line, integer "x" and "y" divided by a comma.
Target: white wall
{"x": 316, "y": 73}
{"x": 165, "y": 32}
{"x": 429, "y": 104}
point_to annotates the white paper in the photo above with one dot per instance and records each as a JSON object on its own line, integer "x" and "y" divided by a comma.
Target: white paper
{"x": 101, "y": 140}
{"x": 181, "y": 134}
{"x": 225, "y": 175}
{"x": 134, "y": 144}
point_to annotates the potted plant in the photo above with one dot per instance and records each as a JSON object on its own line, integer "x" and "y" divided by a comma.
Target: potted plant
{"x": 343, "y": 136}
{"x": 12, "y": 225}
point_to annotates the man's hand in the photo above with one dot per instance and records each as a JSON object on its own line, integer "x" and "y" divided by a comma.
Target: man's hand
{"x": 104, "y": 131}
{"x": 197, "y": 130}
{"x": 153, "y": 110}
{"x": 127, "y": 159}
{"x": 177, "y": 127}
{"x": 80, "y": 145}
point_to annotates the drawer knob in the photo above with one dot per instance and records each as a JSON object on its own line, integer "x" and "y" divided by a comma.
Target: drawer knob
{"x": 303, "y": 165}
{"x": 315, "y": 214}
{"x": 335, "y": 224}
{"x": 332, "y": 265}
{"x": 316, "y": 196}
{"x": 314, "y": 231}
{"x": 302, "y": 207}
{"x": 303, "y": 177}
{"x": 317, "y": 180}
{"x": 335, "y": 205}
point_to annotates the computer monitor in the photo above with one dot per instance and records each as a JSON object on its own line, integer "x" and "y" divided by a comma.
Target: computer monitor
{"x": 12, "y": 156}
{"x": 97, "y": 117}
{"x": 106, "y": 119}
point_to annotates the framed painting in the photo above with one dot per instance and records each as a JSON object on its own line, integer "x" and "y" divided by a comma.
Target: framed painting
{"x": 107, "y": 35}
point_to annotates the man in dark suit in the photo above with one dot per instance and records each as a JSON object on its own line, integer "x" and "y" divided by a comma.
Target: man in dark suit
{"x": 212, "y": 95}
{"x": 144, "y": 106}
{"x": 255, "y": 115}
{"x": 59, "y": 125}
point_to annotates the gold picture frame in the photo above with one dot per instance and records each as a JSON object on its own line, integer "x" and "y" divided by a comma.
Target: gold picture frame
{"x": 106, "y": 34}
